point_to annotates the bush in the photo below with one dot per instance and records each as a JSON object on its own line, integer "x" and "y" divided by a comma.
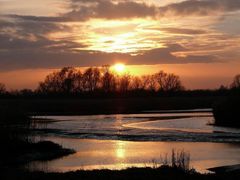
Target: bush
{"x": 227, "y": 112}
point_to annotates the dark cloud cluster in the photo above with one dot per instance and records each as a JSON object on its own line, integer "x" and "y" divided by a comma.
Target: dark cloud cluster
{"x": 109, "y": 10}
{"x": 200, "y": 7}
{"x": 34, "y": 41}
{"x": 180, "y": 30}
{"x": 83, "y": 10}
{"x": 10, "y": 43}
{"x": 104, "y": 9}
{"x": 24, "y": 43}
{"x": 38, "y": 58}
{"x": 25, "y": 28}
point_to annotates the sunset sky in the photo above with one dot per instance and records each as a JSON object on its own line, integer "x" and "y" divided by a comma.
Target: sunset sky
{"x": 199, "y": 40}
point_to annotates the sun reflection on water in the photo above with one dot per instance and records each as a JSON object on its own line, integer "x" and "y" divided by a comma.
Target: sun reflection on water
{"x": 120, "y": 149}
{"x": 120, "y": 146}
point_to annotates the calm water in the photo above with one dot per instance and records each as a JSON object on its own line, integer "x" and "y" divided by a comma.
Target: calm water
{"x": 120, "y": 141}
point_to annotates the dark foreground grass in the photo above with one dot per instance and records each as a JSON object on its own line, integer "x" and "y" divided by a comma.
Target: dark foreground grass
{"x": 176, "y": 169}
{"x": 17, "y": 148}
{"x": 161, "y": 173}
{"x": 17, "y": 153}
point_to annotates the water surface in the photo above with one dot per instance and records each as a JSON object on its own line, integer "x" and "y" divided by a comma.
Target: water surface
{"x": 187, "y": 126}
{"x": 126, "y": 140}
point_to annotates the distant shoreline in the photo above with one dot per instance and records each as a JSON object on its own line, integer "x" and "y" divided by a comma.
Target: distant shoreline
{"x": 78, "y": 106}
{"x": 207, "y": 110}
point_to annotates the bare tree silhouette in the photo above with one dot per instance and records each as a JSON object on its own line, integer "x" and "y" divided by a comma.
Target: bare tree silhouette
{"x": 109, "y": 82}
{"x": 2, "y": 88}
{"x": 136, "y": 83}
{"x": 124, "y": 83}
{"x": 236, "y": 82}
{"x": 161, "y": 79}
{"x": 171, "y": 82}
{"x": 71, "y": 80}
{"x": 63, "y": 81}
{"x": 91, "y": 79}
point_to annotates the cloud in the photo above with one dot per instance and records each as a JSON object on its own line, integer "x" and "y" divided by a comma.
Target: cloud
{"x": 200, "y": 7}
{"x": 39, "y": 58}
{"x": 166, "y": 56}
{"x": 104, "y": 9}
{"x": 180, "y": 31}
{"x": 40, "y": 18}
{"x": 12, "y": 44}
{"x": 110, "y": 10}
{"x": 9, "y": 43}
{"x": 26, "y": 28}
{"x": 83, "y": 10}
{"x": 25, "y": 41}
{"x": 30, "y": 35}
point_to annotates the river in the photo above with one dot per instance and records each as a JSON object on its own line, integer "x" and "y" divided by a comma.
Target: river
{"x": 126, "y": 140}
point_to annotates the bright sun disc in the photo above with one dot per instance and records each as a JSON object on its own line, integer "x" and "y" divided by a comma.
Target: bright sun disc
{"x": 120, "y": 68}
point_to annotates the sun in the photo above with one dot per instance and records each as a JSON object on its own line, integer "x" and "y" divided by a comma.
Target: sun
{"x": 119, "y": 68}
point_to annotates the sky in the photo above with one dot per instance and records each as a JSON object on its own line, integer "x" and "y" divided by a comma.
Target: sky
{"x": 195, "y": 39}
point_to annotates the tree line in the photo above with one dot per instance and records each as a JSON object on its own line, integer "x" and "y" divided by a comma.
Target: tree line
{"x": 70, "y": 80}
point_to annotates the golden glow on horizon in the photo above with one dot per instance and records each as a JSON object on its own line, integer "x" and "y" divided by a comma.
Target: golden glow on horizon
{"x": 119, "y": 68}
{"x": 191, "y": 76}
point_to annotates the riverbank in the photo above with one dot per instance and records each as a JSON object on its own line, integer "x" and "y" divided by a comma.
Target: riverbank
{"x": 226, "y": 169}
{"x": 18, "y": 143}
{"x": 163, "y": 173}
{"x": 90, "y": 106}
{"x": 115, "y": 154}
{"x": 226, "y": 112}
{"x": 18, "y": 153}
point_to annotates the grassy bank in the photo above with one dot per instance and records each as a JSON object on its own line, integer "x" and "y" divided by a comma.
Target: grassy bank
{"x": 17, "y": 148}
{"x": 17, "y": 153}
{"x": 163, "y": 173}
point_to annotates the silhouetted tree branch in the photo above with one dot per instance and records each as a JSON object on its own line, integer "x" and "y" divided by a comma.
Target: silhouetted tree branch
{"x": 71, "y": 80}
{"x": 2, "y": 88}
{"x": 236, "y": 82}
